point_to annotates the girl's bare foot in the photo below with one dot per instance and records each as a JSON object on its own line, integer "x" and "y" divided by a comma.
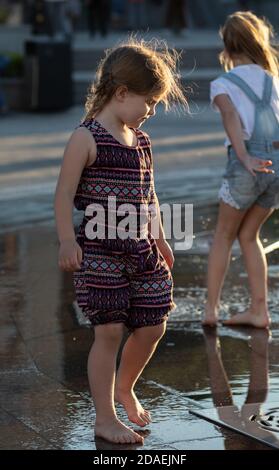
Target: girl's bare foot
{"x": 117, "y": 433}
{"x": 136, "y": 413}
{"x": 261, "y": 320}
{"x": 210, "y": 317}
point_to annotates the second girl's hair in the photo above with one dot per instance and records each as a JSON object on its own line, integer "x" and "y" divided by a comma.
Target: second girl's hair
{"x": 245, "y": 33}
{"x": 145, "y": 68}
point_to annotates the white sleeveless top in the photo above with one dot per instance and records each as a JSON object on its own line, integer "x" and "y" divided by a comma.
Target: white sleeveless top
{"x": 253, "y": 74}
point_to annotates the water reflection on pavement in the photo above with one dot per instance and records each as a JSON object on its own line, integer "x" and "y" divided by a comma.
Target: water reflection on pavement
{"x": 44, "y": 345}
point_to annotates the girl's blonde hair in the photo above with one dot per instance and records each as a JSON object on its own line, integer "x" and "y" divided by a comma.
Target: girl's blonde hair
{"x": 245, "y": 33}
{"x": 145, "y": 68}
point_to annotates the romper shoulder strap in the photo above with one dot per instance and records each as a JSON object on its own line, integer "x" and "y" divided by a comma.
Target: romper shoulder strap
{"x": 268, "y": 83}
{"x": 99, "y": 133}
{"x": 145, "y": 138}
{"x": 232, "y": 77}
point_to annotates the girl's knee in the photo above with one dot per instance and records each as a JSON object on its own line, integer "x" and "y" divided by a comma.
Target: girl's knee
{"x": 152, "y": 333}
{"x": 227, "y": 233}
{"x": 246, "y": 236}
{"x": 112, "y": 332}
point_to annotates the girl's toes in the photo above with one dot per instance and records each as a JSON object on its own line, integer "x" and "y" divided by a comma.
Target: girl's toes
{"x": 147, "y": 416}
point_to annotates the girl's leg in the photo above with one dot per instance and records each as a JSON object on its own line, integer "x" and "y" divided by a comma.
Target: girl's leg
{"x": 258, "y": 383}
{"x": 229, "y": 220}
{"x": 219, "y": 382}
{"x": 137, "y": 352}
{"x": 101, "y": 375}
{"x": 256, "y": 266}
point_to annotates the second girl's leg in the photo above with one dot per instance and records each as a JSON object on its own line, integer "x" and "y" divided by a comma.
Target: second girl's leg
{"x": 137, "y": 352}
{"x": 255, "y": 261}
{"x": 229, "y": 220}
{"x": 219, "y": 382}
{"x": 101, "y": 375}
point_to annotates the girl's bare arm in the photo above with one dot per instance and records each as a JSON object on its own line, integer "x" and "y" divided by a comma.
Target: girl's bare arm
{"x": 233, "y": 128}
{"x": 232, "y": 124}
{"x": 159, "y": 234}
{"x": 79, "y": 152}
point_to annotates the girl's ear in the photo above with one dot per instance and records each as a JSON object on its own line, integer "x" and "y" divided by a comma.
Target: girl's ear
{"x": 121, "y": 93}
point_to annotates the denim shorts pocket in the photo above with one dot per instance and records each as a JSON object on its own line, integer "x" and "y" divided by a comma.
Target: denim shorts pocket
{"x": 233, "y": 167}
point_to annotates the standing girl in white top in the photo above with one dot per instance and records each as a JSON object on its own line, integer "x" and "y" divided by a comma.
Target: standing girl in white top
{"x": 247, "y": 96}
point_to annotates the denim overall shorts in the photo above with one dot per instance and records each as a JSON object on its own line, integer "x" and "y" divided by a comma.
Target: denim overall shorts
{"x": 240, "y": 189}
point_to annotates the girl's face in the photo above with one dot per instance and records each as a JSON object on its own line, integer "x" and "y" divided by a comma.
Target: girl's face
{"x": 135, "y": 109}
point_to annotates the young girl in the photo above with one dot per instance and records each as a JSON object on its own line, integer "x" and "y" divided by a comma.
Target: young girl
{"x": 247, "y": 96}
{"x": 118, "y": 281}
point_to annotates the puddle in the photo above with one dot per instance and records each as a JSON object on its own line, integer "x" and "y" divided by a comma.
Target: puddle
{"x": 228, "y": 367}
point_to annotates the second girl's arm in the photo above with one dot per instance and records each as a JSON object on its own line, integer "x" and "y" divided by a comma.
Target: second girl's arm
{"x": 80, "y": 150}
{"x": 233, "y": 128}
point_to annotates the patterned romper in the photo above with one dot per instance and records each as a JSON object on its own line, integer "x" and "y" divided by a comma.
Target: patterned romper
{"x": 120, "y": 280}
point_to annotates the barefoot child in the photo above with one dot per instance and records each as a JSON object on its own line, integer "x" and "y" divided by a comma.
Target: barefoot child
{"x": 247, "y": 96}
{"x": 118, "y": 281}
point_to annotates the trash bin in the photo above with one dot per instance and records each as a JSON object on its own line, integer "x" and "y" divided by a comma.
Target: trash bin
{"x": 48, "y": 74}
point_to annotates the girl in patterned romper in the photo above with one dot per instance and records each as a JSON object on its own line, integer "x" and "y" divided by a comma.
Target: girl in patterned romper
{"x": 119, "y": 282}
{"x": 247, "y": 96}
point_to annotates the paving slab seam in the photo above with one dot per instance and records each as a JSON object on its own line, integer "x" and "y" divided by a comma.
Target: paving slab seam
{"x": 171, "y": 391}
{"x": 51, "y": 335}
{"x": 43, "y": 373}
{"x": 24, "y": 342}
{"x": 27, "y": 426}
{"x": 195, "y": 439}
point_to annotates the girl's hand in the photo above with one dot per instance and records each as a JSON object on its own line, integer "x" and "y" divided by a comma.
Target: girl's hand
{"x": 254, "y": 164}
{"x": 166, "y": 251}
{"x": 70, "y": 256}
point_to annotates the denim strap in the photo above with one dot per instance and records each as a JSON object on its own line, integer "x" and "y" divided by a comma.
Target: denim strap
{"x": 268, "y": 82}
{"x": 242, "y": 85}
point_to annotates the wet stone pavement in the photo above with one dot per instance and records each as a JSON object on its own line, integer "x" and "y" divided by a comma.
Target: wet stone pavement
{"x": 45, "y": 403}
{"x": 44, "y": 398}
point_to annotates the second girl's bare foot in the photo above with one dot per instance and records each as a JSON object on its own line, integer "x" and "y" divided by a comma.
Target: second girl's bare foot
{"x": 136, "y": 413}
{"x": 249, "y": 318}
{"x": 117, "y": 433}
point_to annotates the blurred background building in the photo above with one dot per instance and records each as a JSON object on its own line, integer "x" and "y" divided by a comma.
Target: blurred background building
{"x": 42, "y": 42}
{"x": 135, "y": 14}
